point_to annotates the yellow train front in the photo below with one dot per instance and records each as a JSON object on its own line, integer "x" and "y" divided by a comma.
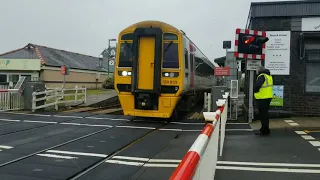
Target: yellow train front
{"x": 151, "y": 75}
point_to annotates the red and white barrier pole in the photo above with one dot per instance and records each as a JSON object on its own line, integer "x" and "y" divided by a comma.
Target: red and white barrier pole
{"x": 190, "y": 161}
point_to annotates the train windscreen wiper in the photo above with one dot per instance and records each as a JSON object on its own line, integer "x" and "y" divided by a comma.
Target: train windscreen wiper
{"x": 168, "y": 46}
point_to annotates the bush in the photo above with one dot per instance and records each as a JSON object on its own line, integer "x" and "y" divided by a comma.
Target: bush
{"x": 109, "y": 83}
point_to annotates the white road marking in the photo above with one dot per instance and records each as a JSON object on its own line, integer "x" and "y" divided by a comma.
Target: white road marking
{"x": 294, "y": 124}
{"x": 315, "y": 143}
{"x": 57, "y": 156}
{"x": 170, "y": 129}
{"x": 268, "y": 164}
{"x": 5, "y": 147}
{"x": 46, "y": 122}
{"x": 138, "y": 127}
{"x": 268, "y": 169}
{"x": 165, "y": 160}
{"x": 301, "y": 132}
{"x": 10, "y": 120}
{"x": 306, "y": 137}
{"x": 79, "y": 117}
{"x": 92, "y": 125}
{"x": 125, "y": 162}
{"x": 160, "y": 165}
{"x": 44, "y": 115}
{"x": 131, "y": 158}
{"x": 77, "y": 153}
{"x": 288, "y": 121}
{"x": 112, "y": 119}
{"x": 141, "y": 164}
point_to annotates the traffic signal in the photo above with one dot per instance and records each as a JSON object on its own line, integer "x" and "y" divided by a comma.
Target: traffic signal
{"x": 250, "y": 44}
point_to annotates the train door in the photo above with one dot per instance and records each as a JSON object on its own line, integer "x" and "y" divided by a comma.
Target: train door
{"x": 146, "y": 63}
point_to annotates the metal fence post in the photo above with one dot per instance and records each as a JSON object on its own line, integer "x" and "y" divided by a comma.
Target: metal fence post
{"x": 76, "y": 95}
{"x": 85, "y": 95}
{"x": 33, "y": 102}
{"x": 56, "y": 99}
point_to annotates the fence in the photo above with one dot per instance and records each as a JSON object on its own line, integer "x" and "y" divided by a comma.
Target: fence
{"x": 201, "y": 159}
{"x": 54, "y": 97}
{"x": 10, "y": 99}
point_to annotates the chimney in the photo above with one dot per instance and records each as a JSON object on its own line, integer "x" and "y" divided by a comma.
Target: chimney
{"x": 100, "y": 60}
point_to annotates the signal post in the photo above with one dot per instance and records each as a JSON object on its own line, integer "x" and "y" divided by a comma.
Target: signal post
{"x": 250, "y": 45}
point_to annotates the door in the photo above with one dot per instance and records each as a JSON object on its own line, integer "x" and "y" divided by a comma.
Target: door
{"x": 146, "y": 63}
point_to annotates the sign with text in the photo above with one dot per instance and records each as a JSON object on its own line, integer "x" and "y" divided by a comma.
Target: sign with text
{"x": 310, "y": 24}
{"x": 20, "y": 64}
{"x": 252, "y": 65}
{"x": 278, "y": 52}
{"x": 277, "y": 99}
{"x": 222, "y": 71}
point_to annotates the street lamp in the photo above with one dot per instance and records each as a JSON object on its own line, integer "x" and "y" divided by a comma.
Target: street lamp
{"x": 109, "y": 49}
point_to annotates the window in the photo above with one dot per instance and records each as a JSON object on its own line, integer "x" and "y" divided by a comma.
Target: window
{"x": 13, "y": 78}
{"x": 125, "y": 58}
{"x": 170, "y": 55}
{"x": 312, "y": 56}
{"x": 3, "y": 78}
{"x": 186, "y": 62}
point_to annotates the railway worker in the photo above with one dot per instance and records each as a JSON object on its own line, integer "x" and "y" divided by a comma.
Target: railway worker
{"x": 263, "y": 95}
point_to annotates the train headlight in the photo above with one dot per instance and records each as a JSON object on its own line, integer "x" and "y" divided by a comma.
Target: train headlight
{"x": 166, "y": 74}
{"x": 124, "y": 73}
{"x": 172, "y": 74}
{"x": 129, "y": 73}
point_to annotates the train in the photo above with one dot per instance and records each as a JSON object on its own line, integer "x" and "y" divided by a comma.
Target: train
{"x": 159, "y": 72}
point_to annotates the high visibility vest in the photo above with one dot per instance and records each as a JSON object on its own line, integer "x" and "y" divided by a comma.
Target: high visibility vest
{"x": 265, "y": 91}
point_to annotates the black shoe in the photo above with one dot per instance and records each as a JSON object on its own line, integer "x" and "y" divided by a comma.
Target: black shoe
{"x": 262, "y": 134}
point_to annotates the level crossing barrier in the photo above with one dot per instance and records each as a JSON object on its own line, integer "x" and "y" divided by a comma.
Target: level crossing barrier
{"x": 200, "y": 161}
{"x": 54, "y": 97}
{"x": 10, "y": 99}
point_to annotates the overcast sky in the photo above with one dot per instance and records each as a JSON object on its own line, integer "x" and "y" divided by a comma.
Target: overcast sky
{"x": 85, "y": 26}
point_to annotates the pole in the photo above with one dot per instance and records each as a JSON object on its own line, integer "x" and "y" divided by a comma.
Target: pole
{"x": 251, "y": 110}
{"x": 64, "y": 81}
{"x": 108, "y": 55}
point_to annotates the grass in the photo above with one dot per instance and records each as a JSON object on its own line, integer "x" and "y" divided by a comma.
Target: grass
{"x": 70, "y": 98}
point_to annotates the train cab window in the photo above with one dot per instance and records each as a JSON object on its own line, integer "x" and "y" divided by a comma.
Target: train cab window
{"x": 170, "y": 55}
{"x": 170, "y": 36}
{"x": 186, "y": 62}
{"x": 125, "y": 58}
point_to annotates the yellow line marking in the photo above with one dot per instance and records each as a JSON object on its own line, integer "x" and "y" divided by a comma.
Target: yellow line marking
{"x": 315, "y": 131}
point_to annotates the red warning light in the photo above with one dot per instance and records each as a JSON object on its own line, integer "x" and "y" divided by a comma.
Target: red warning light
{"x": 249, "y": 40}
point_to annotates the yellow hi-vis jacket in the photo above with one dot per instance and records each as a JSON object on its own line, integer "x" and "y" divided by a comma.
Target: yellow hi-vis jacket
{"x": 265, "y": 91}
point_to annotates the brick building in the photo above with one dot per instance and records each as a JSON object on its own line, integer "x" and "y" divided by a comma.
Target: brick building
{"x": 302, "y": 84}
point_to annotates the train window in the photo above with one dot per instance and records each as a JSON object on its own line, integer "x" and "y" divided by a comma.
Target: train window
{"x": 128, "y": 36}
{"x": 186, "y": 61}
{"x": 125, "y": 59}
{"x": 170, "y": 55}
{"x": 170, "y": 36}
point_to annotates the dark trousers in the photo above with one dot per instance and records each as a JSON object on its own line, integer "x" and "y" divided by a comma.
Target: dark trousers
{"x": 263, "y": 107}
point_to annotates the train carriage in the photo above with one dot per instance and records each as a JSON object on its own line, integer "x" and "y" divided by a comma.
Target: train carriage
{"x": 159, "y": 70}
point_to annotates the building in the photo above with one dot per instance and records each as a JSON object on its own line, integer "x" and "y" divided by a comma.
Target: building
{"x": 42, "y": 63}
{"x": 299, "y": 72}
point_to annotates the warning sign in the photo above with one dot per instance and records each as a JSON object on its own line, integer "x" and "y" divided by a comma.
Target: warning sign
{"x": 222, "y": 71}
{"x": 252, "y": 65}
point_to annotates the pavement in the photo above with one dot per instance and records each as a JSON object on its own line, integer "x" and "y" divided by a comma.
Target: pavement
{"x": 292, "y": 151}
